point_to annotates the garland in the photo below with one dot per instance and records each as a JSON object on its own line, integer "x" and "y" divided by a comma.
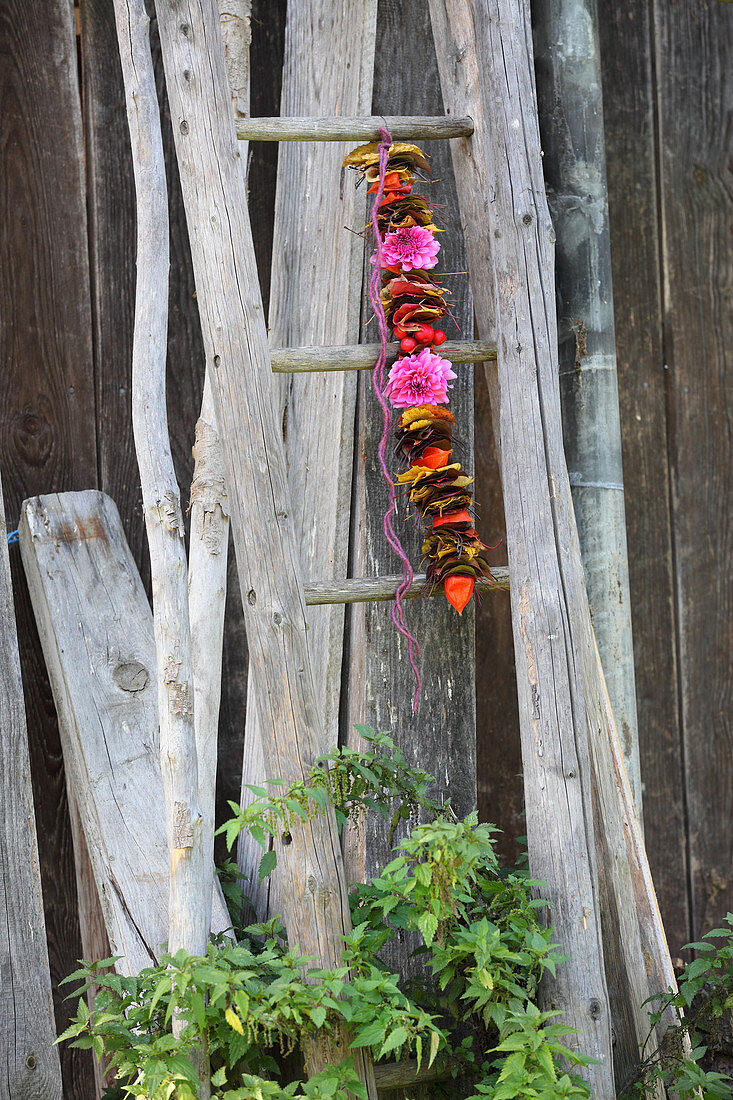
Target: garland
{"x": 409, "y": 300}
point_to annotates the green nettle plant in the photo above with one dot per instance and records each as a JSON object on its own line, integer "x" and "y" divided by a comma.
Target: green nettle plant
{"x": 472, "y": 1016}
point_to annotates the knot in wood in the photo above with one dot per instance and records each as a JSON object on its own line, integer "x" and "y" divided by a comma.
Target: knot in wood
{"x": 184, "y": 127}
{"x": 31, "y": 1062}
{"x": 595, "y": 1009}
{"x": 131, "y": 676}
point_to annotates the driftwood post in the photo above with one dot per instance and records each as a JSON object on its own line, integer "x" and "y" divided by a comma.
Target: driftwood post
{"x": 315, "y": 299}
{"x": 571, "y": 124}
{"x": 315, "y": 904}
{"x": 29, "y": 1062}
{"x": 188, "y": 907}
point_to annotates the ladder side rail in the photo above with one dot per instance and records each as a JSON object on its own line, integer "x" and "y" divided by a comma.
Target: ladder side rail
{"x": 315, "y": 296}
{"x": 485, "y": 51}
{"x": 315, "y": 903}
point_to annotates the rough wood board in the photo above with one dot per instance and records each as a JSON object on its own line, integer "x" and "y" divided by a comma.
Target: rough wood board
{"x": 441, "y": 737}
{"x": 29, "y": 1062}
{"x": 694, "y": 106}
{"x": 96, "y": 630}
{"x": 315, "y": 299}
{"x": 628, "y": 84}
{"x": 47, "y": 431}
{"x": 350, "y": 129}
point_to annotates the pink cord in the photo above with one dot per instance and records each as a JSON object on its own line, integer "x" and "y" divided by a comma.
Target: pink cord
{"x": 398, "y": 615}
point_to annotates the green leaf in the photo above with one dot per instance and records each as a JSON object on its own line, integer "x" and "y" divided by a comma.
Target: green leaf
{"x": 268, "y": 863}
{"x": 318, "y": 1015}
{"x": 428, "y": 925}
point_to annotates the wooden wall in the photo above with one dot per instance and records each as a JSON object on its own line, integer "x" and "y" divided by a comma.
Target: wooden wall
{"x": 66, "y": 285}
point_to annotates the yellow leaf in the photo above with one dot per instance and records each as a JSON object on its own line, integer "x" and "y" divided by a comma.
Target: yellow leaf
{"x": 233, "y": 1020}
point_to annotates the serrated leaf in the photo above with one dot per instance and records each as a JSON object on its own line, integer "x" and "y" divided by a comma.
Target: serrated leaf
{"x": 233, "y": 1020}
{"x": 268, "y": 863}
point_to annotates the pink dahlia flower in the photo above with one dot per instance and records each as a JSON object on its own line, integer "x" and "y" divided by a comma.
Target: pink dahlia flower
{"x": 411, "y": 248}
{"x": 420, "y": 379}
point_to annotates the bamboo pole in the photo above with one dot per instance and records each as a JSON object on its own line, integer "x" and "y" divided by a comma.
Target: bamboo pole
{"x": 315, "y": 901}
{"x": 188, "y": 903}
{"x": 401, "y": 127}
{"x": 570, "y": 97}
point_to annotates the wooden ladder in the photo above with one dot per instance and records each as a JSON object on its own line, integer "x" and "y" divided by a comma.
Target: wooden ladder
{"x": 484, "y": 49}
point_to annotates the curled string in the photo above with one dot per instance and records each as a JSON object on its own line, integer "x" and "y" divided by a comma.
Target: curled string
{"x": 398, "y": 614}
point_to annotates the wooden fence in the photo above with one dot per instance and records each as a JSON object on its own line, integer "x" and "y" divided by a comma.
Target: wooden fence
{"x": 66, "y": 307}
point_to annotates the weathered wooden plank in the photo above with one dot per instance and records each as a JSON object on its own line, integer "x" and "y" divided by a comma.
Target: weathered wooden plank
{"x": 694, "y": 105}
{"x": 29, "y": 1062}
{"x": 441, "y": 736}
{"x": 371, "y": 589}
{"x": 484, "y": 52}
{"x": 97, "y": 634}
{"x": 311, "y": 128}
{"x": 628, "y": 85}
{"x": 47, "y": 434}
{"x": 315, "y": 903}
{"x": 570, "y": 99}
{"x": 315, "y": 298}
{"x": 364, "y": 356}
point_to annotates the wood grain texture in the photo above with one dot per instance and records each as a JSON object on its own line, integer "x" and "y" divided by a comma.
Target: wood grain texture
{"x": 97, "y": 634}
{"x": 441, "y": 736}
{"x": 188, "y": 911}
{"x": 364, "y": 356}
{"x": 314, "y": 128}
{"x": 629, "y": 107}
{"x": 315, "y": 906}
{"x": 47, "y": 433}
{"x": 371, "y": 589}
{"x": 315, "y": 299}
{"x": 29, "y": 1062}
{"x": 570, "y": 99}
{"x": 694, "y": 113}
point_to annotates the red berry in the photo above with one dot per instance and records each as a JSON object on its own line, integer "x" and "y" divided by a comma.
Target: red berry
{"x": 408, "y": 344}
{"x": 400, "y": 332}
{"x": 424, "y": 334}
{"x": 439, "y": 337}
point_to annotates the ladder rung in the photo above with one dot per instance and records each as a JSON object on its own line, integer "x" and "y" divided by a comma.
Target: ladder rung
{"x": 401, "y": 127}
{"x": 372, "y": 589}
{"x": 364, "y": 356}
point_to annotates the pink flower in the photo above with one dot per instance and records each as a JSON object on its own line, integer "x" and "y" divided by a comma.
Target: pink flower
{"x": 420, "y": 379}
{"x": 411, "y": 248}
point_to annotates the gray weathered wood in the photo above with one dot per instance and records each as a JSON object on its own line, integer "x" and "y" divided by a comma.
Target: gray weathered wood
{"x": 570, "y": 95}
{"x": 189, "y": 914}
{"x": 235, "y": 20}
{"x": 315, "y": 298}
{"x": 364, "y": 356}
{"x": 29, "y": 1062}
{"x": 372, "y": 589}
{"x": 315, "y": 903}
{"x": 96, "y": 629}
{"x": 484, "y": 50}
{"x": 402, "y": 127}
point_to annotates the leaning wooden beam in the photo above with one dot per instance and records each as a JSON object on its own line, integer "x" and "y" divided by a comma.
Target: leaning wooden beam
{"x": 315, "y": 298}
{"x": 189, "y": 928}
{"x": 315, "y": 901}
{"x": 96, "y": 631}
{"x": 371, "y": 589}
{"x": 484, "y": 50}
{"x": 351, "y": 129}
{"x": 560, "y": 685}
{"x": 364, "y": 356}
{"x": 29, "y": 1061}
{"x": 570, "y": 98}
{"x": 207, "y": 589}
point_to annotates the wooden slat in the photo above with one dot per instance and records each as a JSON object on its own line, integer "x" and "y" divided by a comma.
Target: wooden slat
{"x": 315, "y": 298}
{"x": 402, "y": 127}
{"x": 374, "y": 589}
{"x": 29, "y": 1062}
{"x": 627, "y": 54}
{"x": 694, "y": 106}
{"x": 97, "y": 635}
{"x": 47, "y": 398}
{"x": 441, "y": 736}
{"x": 364, "y": 356}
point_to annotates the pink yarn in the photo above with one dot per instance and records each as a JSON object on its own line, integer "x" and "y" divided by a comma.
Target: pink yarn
{"x": 398, "y": 615}
{"x": 420, "y": 379}
{"x": 412, "y": 248}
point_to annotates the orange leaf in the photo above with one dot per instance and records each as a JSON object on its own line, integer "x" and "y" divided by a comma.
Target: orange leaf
{"x": 458, "y": 590}
{"x": 434, "y": 458}
{"x": 452, "y": 517}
